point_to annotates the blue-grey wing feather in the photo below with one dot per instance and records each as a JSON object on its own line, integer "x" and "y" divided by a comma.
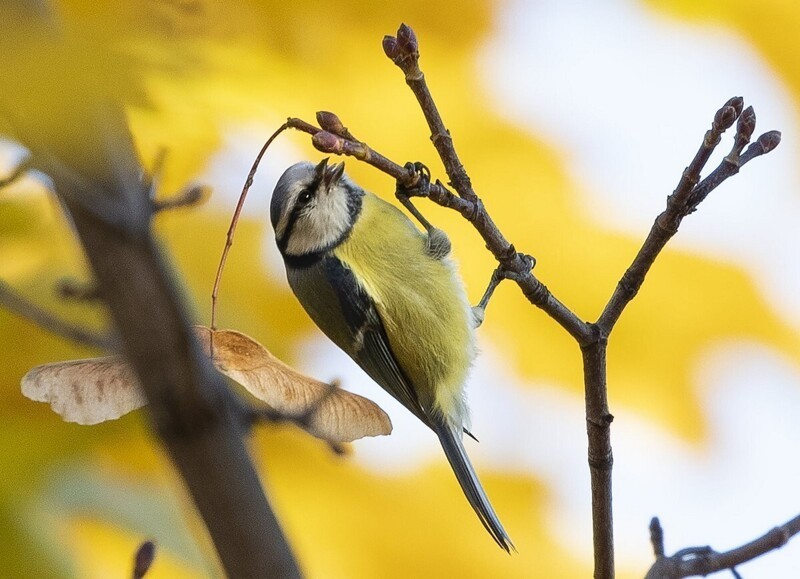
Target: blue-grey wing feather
{"x": 344, "y": 310}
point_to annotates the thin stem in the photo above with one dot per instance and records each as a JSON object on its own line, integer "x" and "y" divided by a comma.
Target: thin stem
{"x": 234, "y": 221}
{"x": 689, "y": 193}
{"x": 693, "y": 562}
{"x": 187, "y": 197}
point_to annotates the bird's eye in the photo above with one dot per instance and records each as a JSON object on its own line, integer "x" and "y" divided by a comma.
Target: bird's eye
{"x": 305, "y": 197}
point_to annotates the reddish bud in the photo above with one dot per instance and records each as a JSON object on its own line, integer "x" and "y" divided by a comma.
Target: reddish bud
{"x": 390, "y": 47}
{"x": 327, "y": 142}
{"x": 144, "y": 558}
{"x": 769, "y": 140}
{"x": 725, "y": 117}
{"x": 746, "y": 124}
{"x": 407, "y": 39}
{"x": 737, "y": 103}
{"x": 330, "y": 122}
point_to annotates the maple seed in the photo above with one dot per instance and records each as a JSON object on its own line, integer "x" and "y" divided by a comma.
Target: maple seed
{"x": 99, "y": 389}
{"x": 321, "y": 409}
{"x": 85, "y": 391}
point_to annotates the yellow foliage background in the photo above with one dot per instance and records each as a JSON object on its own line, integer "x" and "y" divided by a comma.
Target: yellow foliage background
{"x": 75, "y": 501}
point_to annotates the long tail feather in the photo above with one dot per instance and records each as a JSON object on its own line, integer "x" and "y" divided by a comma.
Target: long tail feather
{"x": 465, "y": 473}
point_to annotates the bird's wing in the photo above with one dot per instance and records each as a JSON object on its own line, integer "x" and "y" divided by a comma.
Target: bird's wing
{"x": 369, "y": 344}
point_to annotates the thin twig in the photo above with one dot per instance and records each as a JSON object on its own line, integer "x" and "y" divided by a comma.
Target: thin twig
{"x": 516, "y": 265}
{"x": 686, "y": 197}
{"x": 232, "y": 229}
{"x": 72, "y": 289}
{"x": 704, "y": 561}
{"x": 403, "y": 50}
{"x": 190, "y": 196}
{"x": 143, "y": 559}
{"x": 14, "y": 302}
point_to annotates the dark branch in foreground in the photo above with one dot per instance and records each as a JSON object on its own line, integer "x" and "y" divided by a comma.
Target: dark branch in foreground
{"x": 333, "y": 137}
{"x": 703, "y": 561}
{"x": 192, "y": 410}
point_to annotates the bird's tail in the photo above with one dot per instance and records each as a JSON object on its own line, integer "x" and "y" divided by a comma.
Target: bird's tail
{"x": 465, "y": 473}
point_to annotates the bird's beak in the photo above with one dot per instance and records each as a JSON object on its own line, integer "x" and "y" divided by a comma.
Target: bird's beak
{"x": 319, "y": 170}
{"x": 328, "y": 176}
{"x": 332, "y": 175}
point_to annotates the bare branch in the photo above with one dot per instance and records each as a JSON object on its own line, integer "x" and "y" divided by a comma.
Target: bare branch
{"x": 192, "y": 410}
{"x": 143, "y": 559}
{"x": 334, "y": 138}
{"x": 689, "y": 193}
{"x": 14, "y": 302}
{"x": 516, "y": 265}
{"x": 702, "y": 561}
{"x": 71, "y": 289}
{"x": 187, "y": 197}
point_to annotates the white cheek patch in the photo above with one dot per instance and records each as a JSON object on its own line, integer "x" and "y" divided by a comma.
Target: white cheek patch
{"x": 321, "y": 225}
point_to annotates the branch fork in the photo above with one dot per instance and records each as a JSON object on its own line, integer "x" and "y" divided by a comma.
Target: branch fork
{"x": 333, "y": 137}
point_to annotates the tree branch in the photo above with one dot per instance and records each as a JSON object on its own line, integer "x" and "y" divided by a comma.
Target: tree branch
{"x": 704, "y": 561}
{"x": 689, "y": 193}
{"x": 515, "y": 265}
{"x": 192, "y": 410}
{"x": 14, "y": 302}
{"x": 334, "y": 138}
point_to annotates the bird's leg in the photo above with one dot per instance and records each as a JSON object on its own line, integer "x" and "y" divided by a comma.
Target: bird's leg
{"x": 438, "y": 244}
{"x": 499, "y": 274}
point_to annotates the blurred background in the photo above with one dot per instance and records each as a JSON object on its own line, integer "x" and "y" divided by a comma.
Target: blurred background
{"x": 575, "y": 120}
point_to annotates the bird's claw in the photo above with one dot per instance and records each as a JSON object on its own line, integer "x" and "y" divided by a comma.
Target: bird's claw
{"x": 420, "y": 181}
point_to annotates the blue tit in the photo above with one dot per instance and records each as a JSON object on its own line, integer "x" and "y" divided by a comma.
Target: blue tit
{"x": 388, "y": 295}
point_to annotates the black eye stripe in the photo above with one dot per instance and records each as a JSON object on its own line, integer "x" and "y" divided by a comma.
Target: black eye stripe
{"x": 300, "y": 203}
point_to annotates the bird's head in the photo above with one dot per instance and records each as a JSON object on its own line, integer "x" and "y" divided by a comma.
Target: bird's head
{"x": 313, "y": 208}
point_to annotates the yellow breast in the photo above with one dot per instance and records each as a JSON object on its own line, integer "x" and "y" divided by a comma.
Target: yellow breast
{"x": 421, "y": 301}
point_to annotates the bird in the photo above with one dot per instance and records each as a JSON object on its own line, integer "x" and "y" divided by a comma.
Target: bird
{"x": 389, "y": 295}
